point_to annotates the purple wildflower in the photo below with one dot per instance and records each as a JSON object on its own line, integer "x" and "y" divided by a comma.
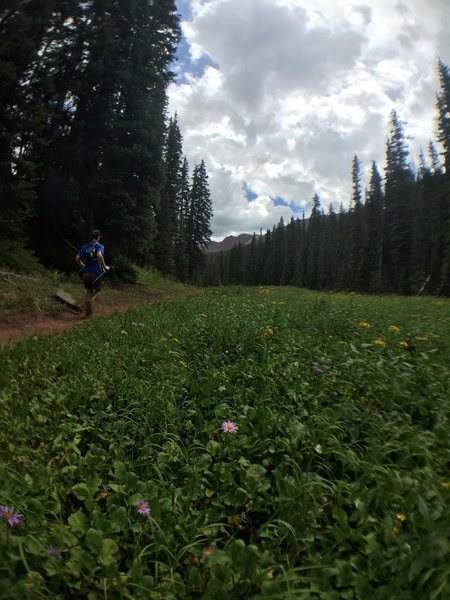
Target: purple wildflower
{"x": 142, "y": 507}
{"x": 320, "y": 368}
{"x": 54, "y": 551}
{"x": 229, "y": 427}
{"x": 10, "y": 515}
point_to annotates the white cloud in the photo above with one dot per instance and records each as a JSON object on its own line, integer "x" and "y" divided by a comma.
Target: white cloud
{"x": 293, "y": 89}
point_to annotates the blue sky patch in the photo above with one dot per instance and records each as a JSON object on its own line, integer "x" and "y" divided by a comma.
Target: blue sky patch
{"x": 249, "y": 193}
{"x": 184, "y": 63}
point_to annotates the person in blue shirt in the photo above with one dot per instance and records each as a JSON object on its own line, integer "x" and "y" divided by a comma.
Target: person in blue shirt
{"x": 91, "y": 260}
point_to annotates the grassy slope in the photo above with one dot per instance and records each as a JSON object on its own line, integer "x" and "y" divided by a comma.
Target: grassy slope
{"x": 32, "y": 295}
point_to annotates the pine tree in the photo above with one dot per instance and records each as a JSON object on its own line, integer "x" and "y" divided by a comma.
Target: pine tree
{"x": 358, "y": 233}
{"x": 375, "y": 228}
{"x": 287, "y": 275}
{"x": 200, "y": 213}
{"x": 168, "y": 216}
{"x": 398, "y": 210}
{"x": 181, "y": 243}
{"x": 443, "y": 107}
{"x": 102, "y": 156}
{"x": 26, "y": 29}
{"x": 278, "y": 252}
{"x": 314, "y": 238}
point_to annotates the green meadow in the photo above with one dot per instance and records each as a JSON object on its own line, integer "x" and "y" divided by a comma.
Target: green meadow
{"x": 117, "y": 480}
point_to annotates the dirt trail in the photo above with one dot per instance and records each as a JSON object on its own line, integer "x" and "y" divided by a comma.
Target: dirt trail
{"x": 27, "y": 325}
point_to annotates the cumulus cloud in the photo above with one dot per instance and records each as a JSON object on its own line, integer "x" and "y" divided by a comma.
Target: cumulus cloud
{"x": 277, "y": 96}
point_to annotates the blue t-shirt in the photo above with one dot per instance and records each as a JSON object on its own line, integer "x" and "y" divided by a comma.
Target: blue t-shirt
{"x": 94, "y": 267}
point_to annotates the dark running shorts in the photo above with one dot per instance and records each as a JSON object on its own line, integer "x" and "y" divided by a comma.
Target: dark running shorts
{"x": 92, "y": 281}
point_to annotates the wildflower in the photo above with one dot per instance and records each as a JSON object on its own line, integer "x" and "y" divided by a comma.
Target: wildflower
{"x": 445, "y": 485}
{"x": 396, "y": 530}
{"x": 404, "y": 344}
{"x": 102, "y": 495}
{"x": 123, "y": 332}
{"x": 401, "y": 517}
{"x": 365, "y": 325}
{"x": 393, "y": 329}
{"x": 421, "y": 338}
{"x": 11, "y": 516}
{"x": 54, "y": 551}
{"x": 320, "y": 368}
{"x": 379, "y": 342}
{"x": 143, "y": 507}
{"x": 182, "y": 363}
{"x": 106, "y": 345}
{"x": 229, "y": 427}
{"x": 318, "y": 449}
{"x": 268, "y": 330}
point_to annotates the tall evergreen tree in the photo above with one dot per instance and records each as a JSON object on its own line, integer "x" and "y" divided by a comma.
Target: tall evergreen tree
{"x": 27, "y": 29}
{"x": 358, "y": 232}
{"x": 200, "y": 213}
{"x": 167, "y": 214}
{"x": 375, "y": 228}
{"x": 101, "y": 159}
{"x": 443, "y": 107}
{"x": 398, "y": 210}
{"x": 181, "y": 243}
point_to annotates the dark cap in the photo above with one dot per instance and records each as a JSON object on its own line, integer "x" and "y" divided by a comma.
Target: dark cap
{"x": 96, "y": 233}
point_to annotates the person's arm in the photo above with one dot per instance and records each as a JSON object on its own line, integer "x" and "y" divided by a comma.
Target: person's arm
{"x": 101, "y": 260}
{"x": 79, "y": 262}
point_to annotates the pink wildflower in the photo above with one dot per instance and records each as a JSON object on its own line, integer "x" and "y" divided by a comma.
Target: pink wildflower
{"x": 11, "y": 516}
{"x": 229, "y": 427}
{"x": 143, "y": 507}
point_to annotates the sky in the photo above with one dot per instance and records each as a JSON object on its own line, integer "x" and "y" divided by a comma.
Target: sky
{"x": 278, "y": 96}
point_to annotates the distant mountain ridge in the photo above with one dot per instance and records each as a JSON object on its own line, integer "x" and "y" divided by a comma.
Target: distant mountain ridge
{"x": 229, "y": 242}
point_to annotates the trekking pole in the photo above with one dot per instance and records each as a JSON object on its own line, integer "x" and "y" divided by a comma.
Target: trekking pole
{"x": 111, "y": 268}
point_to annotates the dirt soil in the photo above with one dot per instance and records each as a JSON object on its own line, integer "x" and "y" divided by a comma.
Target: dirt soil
{"x": 26, "y": 325}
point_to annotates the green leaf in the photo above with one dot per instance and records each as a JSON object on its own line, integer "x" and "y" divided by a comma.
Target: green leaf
{"x": 94, "y": 539}
{"x": 81, "y": 491}
{"x": 78, "y": 523}
{"x": 108, "y": 552}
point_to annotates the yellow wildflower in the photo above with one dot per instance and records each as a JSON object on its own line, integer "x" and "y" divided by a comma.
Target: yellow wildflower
{"x": 401, "y": 517}
{"x": 268, "y": 330}
{"x": 365, "y": 325}
{"x": 182, "y": 363}
{"x": 445, "y": 485}
{"x": 393, "y": 329}
{"x": 379, "y": 342}
{"x": 395, "y": 530}
{"x": 404, "y": 344}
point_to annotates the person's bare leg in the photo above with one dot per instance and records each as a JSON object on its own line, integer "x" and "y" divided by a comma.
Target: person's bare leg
{"x": 88, "y": 303}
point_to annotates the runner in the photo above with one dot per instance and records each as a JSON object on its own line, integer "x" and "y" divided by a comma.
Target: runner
{"x": 90, "y": 259}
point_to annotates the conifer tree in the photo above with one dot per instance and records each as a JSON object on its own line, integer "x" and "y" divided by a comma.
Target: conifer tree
{"x": 314, "y": 237}
{"x": 398, "y": 210}
{"x": 358, "y": 234}
{"x": 168, "y": 212}
{"x": 443, "y": 107}
{"x": 375, "y": 228}
{"x": 199, "y": 217}
{"x": 181, "y": 242}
